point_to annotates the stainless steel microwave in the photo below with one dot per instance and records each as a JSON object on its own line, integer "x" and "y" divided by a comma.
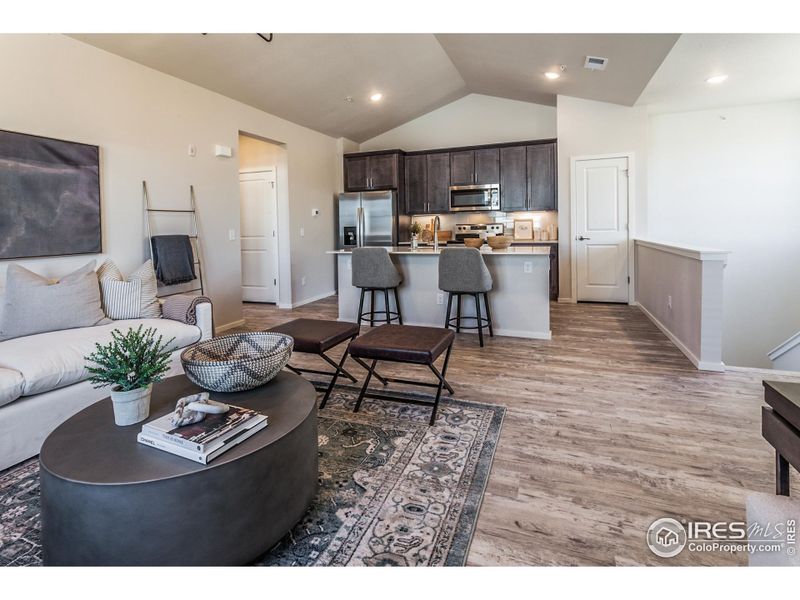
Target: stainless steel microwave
{"x": 474, "y": 197}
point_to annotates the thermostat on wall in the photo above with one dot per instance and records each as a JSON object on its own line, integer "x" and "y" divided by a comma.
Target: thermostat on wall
{"x": 224, "y": 151}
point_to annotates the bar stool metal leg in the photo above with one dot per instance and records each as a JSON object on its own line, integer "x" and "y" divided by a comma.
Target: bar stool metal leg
{"x": 386, "y": 305}
{"x": 458, "y": 313}
{"x": 479, "y": 320}
{"x": 449, "y": 310}
{"x": 361, "y": 308}
{"x": 372, "y": 308}
{"x": 488, "y": 313}
{"x": 397, "y": 305}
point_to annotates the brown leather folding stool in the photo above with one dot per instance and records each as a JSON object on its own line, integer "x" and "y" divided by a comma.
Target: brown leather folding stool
{"x": 404, "y": 344}
{"x": 317, "y": 336}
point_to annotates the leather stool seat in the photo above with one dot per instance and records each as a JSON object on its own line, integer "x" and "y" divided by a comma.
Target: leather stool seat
{"x": 403, "y": 343}
{"x": 315, "y": 335}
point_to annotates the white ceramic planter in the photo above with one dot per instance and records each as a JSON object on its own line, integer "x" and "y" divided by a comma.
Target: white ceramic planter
{"x": 131, "y": 407}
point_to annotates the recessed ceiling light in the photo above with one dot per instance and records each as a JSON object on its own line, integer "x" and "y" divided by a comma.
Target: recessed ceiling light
{"x": 552, "y": 75}
{"x": 716, "y": 79}
{"x": 376, "y": 97}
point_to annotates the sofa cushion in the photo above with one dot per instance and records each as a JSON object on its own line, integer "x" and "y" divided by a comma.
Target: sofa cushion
{"x": 11, "y": 384}
{"x": 34, "y": 304}
{"x": 134, "y": 298}
{"x": 56, "y": 359}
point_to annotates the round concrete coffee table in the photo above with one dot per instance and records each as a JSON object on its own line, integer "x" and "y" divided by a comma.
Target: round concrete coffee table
{"x": 109, "y": 500}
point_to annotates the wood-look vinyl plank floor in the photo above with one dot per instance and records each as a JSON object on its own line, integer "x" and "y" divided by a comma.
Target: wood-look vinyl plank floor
{"x": 608, "y": 427}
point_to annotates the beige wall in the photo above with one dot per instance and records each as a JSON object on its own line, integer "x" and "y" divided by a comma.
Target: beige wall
{"x": 588, "y": 128}
{"x": 730, "y": 178}
{"x": 143, "y": 122}
{"x": 473, "y": 119}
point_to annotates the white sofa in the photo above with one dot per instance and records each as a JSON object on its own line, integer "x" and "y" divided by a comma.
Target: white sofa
{"x": 43, "y": 380}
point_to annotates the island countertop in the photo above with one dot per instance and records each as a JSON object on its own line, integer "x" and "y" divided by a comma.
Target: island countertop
{"x": 485, "y": 250}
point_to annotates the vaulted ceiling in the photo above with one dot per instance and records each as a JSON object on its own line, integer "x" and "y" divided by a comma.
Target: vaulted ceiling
{"x": 307, "y": 78}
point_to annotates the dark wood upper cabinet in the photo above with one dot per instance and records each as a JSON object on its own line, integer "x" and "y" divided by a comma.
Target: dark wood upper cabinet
{"x": 462, "y": 168}
{"x": 513, "y": 178}
{"x": 365, "y": 172}
{"x": 416, "y": 184}
{"x": 542, "y": 177}
{"x": 383, "y": 170}
{"x": 487, "y": 166}
{"x": 356, "y": 176}
{"x": 438, "y": 184}
{"x": 472, "y": 167}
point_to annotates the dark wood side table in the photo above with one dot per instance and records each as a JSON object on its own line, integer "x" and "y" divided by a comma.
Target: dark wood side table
{"x": 780, "y": 426}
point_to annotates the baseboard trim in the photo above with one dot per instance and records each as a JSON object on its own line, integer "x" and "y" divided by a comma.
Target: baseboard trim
{"x": 566, "y": 300}
{"x": 308, "y": 300}
{"x": 700, "y": 364}
{"x": 231, "y": 325}
{"x": 762, "y": 371}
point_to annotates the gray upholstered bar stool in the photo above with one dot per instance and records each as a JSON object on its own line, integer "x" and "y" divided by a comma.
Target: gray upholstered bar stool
{"x": 462, "y": 271}
{"x": 374, "y": 271}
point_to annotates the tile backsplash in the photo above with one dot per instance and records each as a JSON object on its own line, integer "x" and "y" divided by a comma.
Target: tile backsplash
{"x": 543, "y": 219}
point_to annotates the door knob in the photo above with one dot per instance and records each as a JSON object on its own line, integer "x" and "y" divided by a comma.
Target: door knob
{"x": 580, "y": 238}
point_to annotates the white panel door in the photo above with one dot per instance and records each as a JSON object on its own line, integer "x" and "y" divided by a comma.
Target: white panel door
{"x": 601, "y": 187}
{"x": 259, "y": 222}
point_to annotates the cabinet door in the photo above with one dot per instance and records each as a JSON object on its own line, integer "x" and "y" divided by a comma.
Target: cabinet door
{"x": 383, "y": 172}
{"x": 513, "y": 178}
{"x": 416, "y": 188}
{"x": 438, "y": 182}
{"x": 355, "y": 174}
{"x": 542, "y": 177}
{"x": 462, "y": 168}
{"x": 487, "y": 166}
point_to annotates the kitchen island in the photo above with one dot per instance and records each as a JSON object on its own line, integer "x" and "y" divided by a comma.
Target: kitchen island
{"x": 519, "y": 300}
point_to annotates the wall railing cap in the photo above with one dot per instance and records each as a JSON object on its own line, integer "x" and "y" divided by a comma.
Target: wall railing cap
{"x": 686, "y": 250}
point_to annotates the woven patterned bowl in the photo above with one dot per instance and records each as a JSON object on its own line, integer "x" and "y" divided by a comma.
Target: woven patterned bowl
{"x": 499, "y": 242}
{"x": 473, "y": 242}
{"x": 238, "y": 362}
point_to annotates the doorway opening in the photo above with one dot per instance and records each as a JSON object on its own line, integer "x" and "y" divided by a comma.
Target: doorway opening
{"x": 260, "y": 181}
{"x": 601, "y": 206}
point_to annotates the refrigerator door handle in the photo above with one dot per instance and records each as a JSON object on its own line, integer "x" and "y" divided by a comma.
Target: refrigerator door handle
{"x": 359, "y": 227}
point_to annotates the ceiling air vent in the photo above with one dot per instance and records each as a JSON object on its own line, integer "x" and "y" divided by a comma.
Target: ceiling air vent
{"x": 595, "y": 63}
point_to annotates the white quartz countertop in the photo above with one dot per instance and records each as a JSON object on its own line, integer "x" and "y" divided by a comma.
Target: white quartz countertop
{"x": 485, "y": 250}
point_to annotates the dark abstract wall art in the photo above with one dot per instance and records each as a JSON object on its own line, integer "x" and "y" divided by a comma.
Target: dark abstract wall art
{"x": 49, "y": 197}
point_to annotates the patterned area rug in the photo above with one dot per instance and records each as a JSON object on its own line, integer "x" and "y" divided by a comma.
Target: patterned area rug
{"x": 393, "y": 491}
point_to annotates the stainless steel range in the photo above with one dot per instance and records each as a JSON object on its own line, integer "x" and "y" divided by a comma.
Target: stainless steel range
{"x": 478, "y": 230}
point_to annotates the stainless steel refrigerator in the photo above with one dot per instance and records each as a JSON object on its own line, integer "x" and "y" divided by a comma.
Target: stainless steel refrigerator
{"x": 367, "y": 219}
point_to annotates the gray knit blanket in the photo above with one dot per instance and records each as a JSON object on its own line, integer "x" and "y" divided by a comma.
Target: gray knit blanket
{"x": 181, "y": 307}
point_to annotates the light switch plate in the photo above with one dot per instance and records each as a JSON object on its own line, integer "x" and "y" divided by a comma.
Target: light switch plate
{"x": 527, "y": 266}
{"x": 232, "y": 235}
{"x": 302, "y": 232}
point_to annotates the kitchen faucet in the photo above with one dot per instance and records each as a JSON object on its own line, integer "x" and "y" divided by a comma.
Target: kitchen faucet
{"x": 436, "y": 225}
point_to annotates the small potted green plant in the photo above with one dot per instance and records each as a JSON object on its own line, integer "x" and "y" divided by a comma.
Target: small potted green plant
{"x": 415, "y": 229}
{"x": 130, "y": 363}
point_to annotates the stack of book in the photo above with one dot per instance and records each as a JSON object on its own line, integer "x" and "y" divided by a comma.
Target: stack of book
{"x": 204, "y": 441}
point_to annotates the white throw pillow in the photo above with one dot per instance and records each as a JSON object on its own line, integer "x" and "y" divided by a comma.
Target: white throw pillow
{"x": 132, "y": 298}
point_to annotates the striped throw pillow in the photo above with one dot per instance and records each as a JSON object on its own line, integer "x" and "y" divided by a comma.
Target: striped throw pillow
{"x": 132, "y": 298}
